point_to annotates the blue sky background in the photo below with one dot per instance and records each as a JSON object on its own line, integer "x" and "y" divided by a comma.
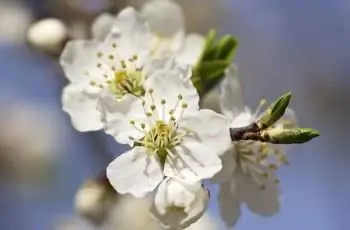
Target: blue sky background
{"x": 285, "y": 45}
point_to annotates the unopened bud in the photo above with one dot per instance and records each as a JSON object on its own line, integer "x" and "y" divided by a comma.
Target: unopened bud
{"x": 290, "y": 136}
{"x": 275, "y": 111}
{"x": 94, "y": 200}
{"x": 48, "y": 35}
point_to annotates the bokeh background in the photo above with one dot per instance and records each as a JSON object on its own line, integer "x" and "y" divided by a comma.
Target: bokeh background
{"x": 285, "y": 45}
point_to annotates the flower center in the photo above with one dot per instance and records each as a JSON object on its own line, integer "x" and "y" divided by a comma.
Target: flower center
{"x": 119, "y": 76}
{"x": 257, "y": 159}
{"x": 161, "y": 132}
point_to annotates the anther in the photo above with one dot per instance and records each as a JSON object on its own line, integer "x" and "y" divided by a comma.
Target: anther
{"x": 93, "y": 83}
{"x": 99, "y": 54}
{"x": 162, "y": 101}
{"x": 150, "y": 91}
{"x": 134, "y": 57}
{"x": 184, "y": 105}
{"x": 143, "y": 125}
{"x": 153, "y": 107}
{"x": 132, "y": 122}
{"x": 114, "y": 45}
{"x": 111, "y": 57}
{"x": 180, "y": 97}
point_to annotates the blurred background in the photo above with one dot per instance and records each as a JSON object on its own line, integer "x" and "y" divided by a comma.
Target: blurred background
{"x": 285, "y": 45}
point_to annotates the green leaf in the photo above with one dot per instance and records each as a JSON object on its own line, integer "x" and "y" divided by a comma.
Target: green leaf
{"x": 209, "y": 43}
{"x": 275, "y": 111}
{"x": 227, "y": 48}
{"x": 209, "y": 70}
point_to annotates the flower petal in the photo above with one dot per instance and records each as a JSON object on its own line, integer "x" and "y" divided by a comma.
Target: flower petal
{"x": 117, "y": 114}
{"x": 231, "y": 95}
{"x": 131, "y": 33}
{"x": 229, "y": 202}
{"x": 179, "y": 203}
{"x": 262, "y": 201}
{"x": 192, "y": 160}
{"x": 101, "y": 26}
{"x": 228, "y": 167}
{"x": 192, "y": 50}
{"x": 81, "y": 106}
{"x": 135, "y": 172}
{"x": 79, "y": 57}
{"x": 169, "y": 82}
{"x": 165, "y": 17}
{"x": 208, "y": 128}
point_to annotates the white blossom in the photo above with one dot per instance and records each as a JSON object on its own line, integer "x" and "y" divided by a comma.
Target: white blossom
{"x": 169, "y": 134}
{"x": 167, "y": 24}
{"x": 48, "y": 35}
{"x": 179, "y": 203}
{"x": 29, "y": 143}
{"x": 115, "y": 65}
{"x": 248, "y": 173}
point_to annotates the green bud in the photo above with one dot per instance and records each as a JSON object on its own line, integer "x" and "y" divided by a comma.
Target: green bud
{"x": 275, "y": 111}
{"x": 289, "y": 136}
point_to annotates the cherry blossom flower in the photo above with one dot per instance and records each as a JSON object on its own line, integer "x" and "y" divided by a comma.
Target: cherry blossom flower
{"x": 169, "y": 134}
{"x": 115, "y": 65}
{"x": 248, "y": 173}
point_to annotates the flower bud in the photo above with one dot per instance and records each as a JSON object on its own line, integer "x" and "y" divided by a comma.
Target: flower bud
{"x": 290, "y": 136}
{"x": 94, "y": 200}
{"x": 179, "y": 203}
{"x": 275, "y": 111}
{"x": 48, "y": 35}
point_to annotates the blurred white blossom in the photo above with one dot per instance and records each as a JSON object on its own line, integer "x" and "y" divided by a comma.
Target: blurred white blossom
{"x": 15, "y": 18}
{"x": 114, "y": 66}
{"x": 179, "y": 203}
{"x": 170, "y": 135}
{"x": 48, "y": 35}
{"x": 29, "y": 142}
{"x": 248, "y": 173}
{"x": 94, "y": 200}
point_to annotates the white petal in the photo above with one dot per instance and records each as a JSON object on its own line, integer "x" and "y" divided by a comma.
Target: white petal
{"x": 135, "y": 172}
{"x": 228, "y": 167}
{"x": 116, "y": 116}
{"x": 131, "y": 33}
{"x": 78, "y": 57}
{"x": 190, "y": 196}
{"x": 101, "y": 26}
{"x": 229, "y": 205}
{"x": 231, "y": 95}
{"x": 81, "y": 106}
{"x": 192, "y": 160}
{"x": 192, "y": 50}
{"x": 261, "y": 201}
{"x": 171, "y": 81}
{"x": 209, "y": 129}
{"x": 165, "y": 17}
